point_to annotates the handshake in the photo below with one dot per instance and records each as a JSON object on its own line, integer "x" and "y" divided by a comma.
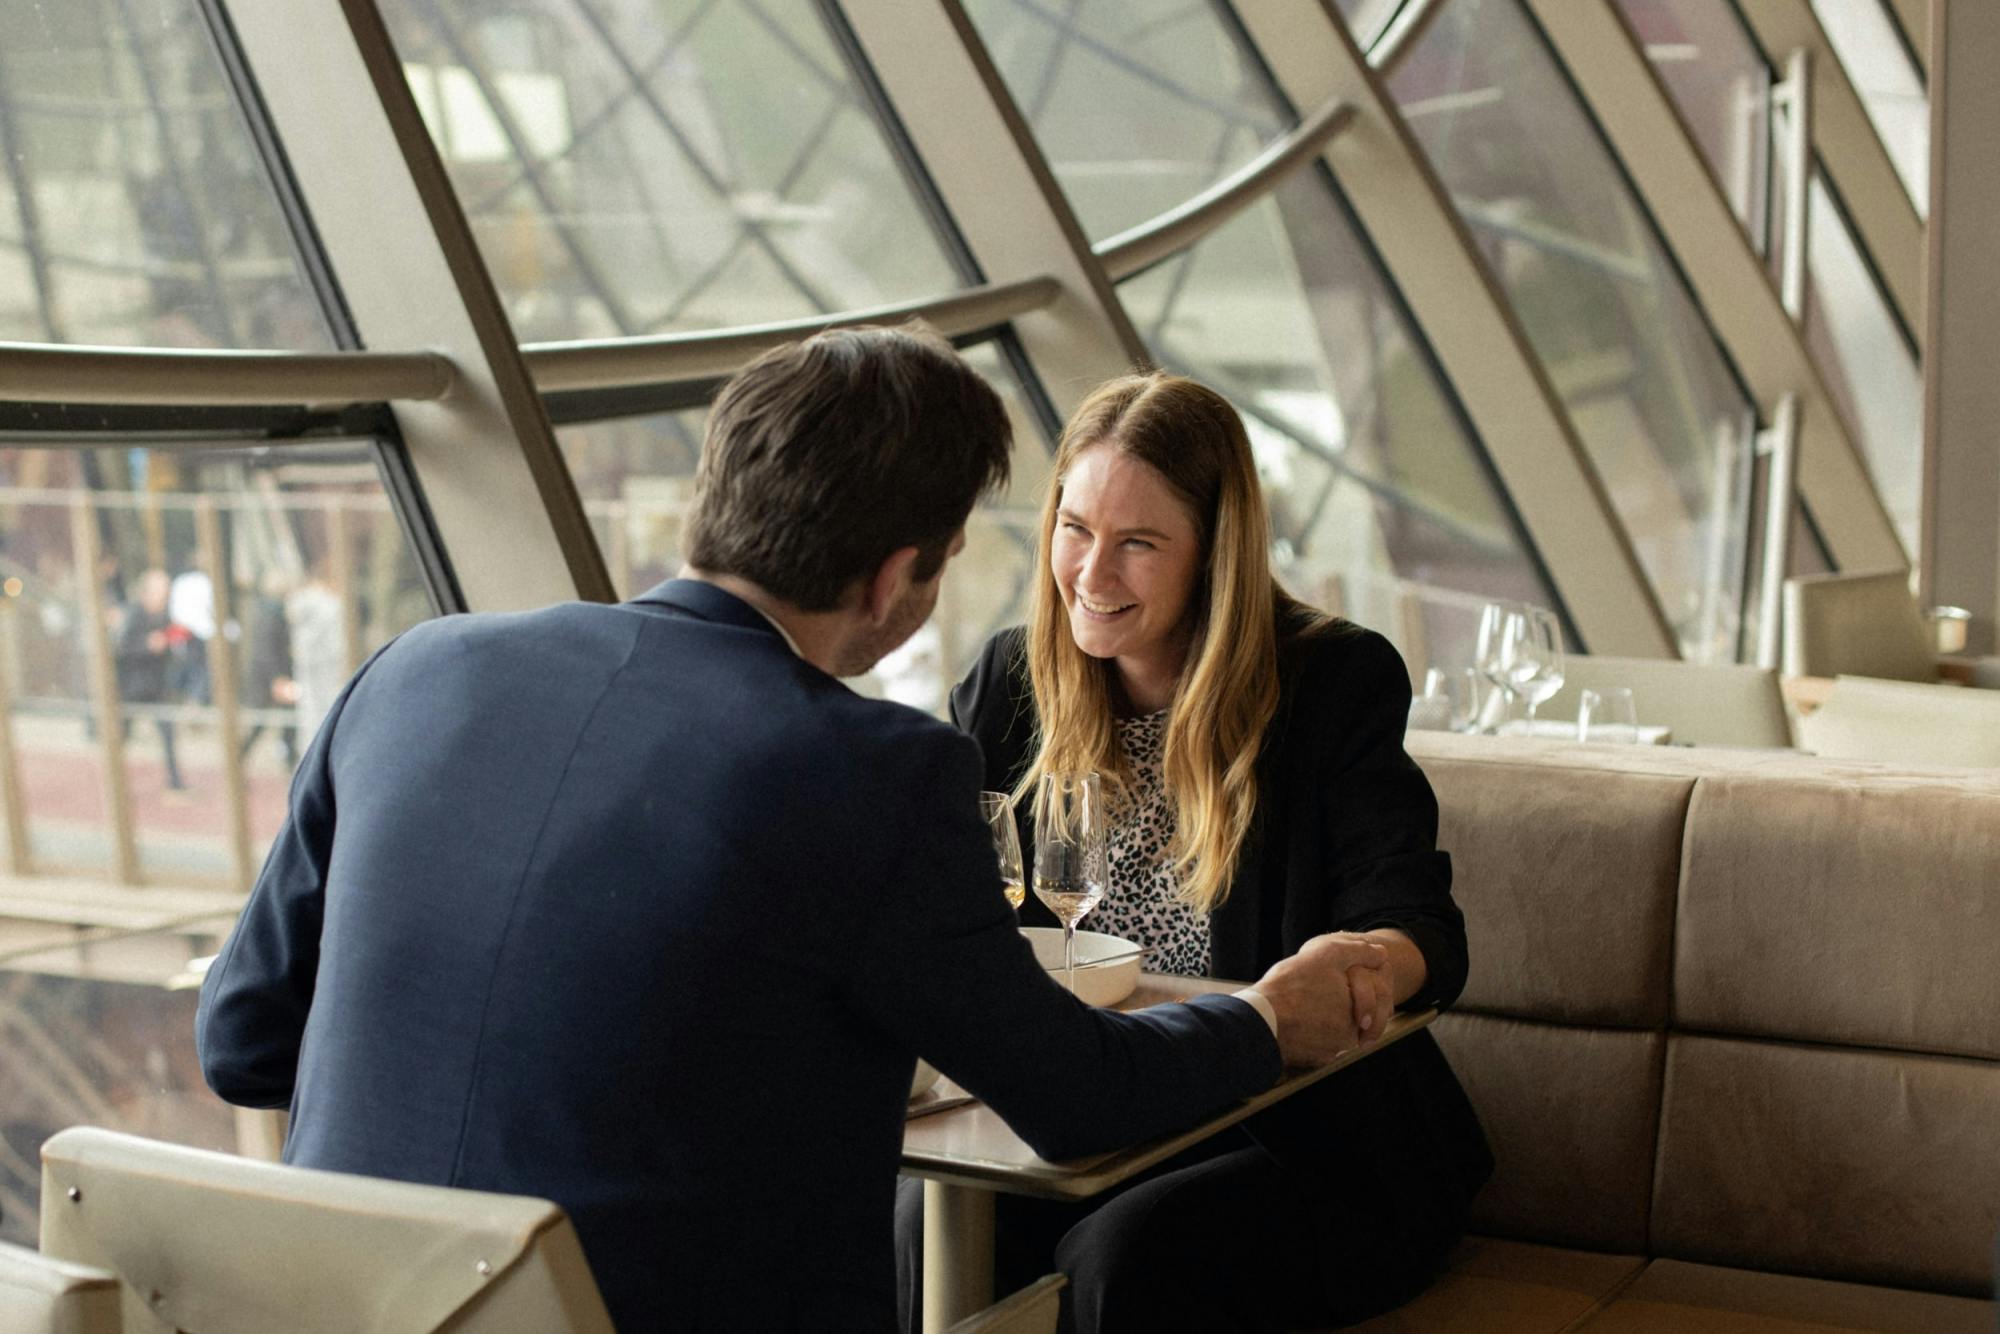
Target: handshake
{"x": 1334, "y": 995}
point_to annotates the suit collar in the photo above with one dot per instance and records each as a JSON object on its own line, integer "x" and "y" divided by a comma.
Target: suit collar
{"x": 707, "y": 602}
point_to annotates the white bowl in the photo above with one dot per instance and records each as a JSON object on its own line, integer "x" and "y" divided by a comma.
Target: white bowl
{"x": 926, "y": 1076}
{"x": 1096, "y": 984}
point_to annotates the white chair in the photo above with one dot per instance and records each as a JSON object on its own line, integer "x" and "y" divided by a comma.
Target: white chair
{"x": 213, "y": 1244}
{"x": 1699, "y": 704}
{"x": 1857, "y": 625}
{"x": 43, "y": 1295}
{"x": 1901, "y": 722}
{"x": 1032, "y": 1310}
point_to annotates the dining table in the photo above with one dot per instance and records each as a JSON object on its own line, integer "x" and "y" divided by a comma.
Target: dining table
{"x": 966, "y": 1155}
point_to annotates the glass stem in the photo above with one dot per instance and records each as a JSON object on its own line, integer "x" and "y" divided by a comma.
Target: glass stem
{"x": 1069, "y": 955}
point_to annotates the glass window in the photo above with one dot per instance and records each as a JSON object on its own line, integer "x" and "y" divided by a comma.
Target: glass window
{"x": 1137, "y": 104}
{"x": 1658, "y": 408}
{"x": 1717, "y": 81}
{"x": 649, "y": 168}
{"x": 134, "y": 210}
{"x": 1716, "y": 76}
{"x": 1383, "y": 506}
{"x": 1870, "y": 369}
{"x": 111, "y": 563}
{"x": 1878, "y": 62}
{"x": 98, "y": 1027}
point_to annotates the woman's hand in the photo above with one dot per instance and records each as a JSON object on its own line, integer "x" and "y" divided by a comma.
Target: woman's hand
{"x": 1375, "y": 992}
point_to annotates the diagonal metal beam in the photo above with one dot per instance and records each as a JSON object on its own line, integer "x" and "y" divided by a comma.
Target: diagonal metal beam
{"x": 412, "y": 276}
{"x": 1479, "y": 343}
{"x": 1851, "y": 154}
{"x": 1607, "y": 63}
{"x": 986, "y": 167}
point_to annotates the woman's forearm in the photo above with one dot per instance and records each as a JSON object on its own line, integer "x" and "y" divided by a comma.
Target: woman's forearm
{"x": 1406, "y": 962}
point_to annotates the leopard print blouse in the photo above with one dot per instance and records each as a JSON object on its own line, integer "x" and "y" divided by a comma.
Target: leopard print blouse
{"x": 1141, "y": 902}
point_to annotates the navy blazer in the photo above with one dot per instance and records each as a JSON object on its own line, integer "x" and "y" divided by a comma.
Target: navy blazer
{"x": 631, "y": 908}
{"x": 1344, "y": 839}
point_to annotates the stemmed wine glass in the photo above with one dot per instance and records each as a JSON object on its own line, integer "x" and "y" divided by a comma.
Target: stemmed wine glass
{"x": 998, "y": 811}
{"x": 1495, "y": 652}
{"x": 1538, "y": 658}
{"x": 1070, "y": 867}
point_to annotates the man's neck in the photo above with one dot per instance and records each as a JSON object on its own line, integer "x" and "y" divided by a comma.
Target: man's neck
{"x": 816, "y": 636}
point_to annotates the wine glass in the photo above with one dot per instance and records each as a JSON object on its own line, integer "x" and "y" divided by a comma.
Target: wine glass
{"x": 998, "y": 811}
{"x": 1070, "y": 866}
{"x": 1495, "y": 651}
{"x": 1538, "y": 673}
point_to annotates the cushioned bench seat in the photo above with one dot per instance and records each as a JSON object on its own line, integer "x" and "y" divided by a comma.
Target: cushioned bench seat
{"x": 1495, "y": 1286}
{"x": 1733, "y": 1027}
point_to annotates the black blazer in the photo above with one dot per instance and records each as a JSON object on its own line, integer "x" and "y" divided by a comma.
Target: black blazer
{"x": 1344, "y": 839}
{"x": 632, "y": 909}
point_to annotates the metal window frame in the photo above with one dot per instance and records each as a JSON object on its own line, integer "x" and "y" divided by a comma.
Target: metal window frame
{"x": 486, "y": 456}
{"x": 1850, "y": 154}
{"x": 1479, "y": 343}
{"x": 991, "y": 177}
{"x": 1607, "y": 64}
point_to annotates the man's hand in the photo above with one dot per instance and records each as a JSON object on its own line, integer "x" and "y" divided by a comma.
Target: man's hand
{"x": 1314, "y": 1000}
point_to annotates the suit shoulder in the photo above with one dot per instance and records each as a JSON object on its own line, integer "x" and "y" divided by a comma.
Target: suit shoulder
{"x": 896, "y": 737}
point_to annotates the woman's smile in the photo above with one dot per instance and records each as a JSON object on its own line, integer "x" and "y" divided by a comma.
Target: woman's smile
{"x": 1126, "y": 554}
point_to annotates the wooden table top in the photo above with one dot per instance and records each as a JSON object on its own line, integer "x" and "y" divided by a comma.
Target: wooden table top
{"x": 972, "y": 1146}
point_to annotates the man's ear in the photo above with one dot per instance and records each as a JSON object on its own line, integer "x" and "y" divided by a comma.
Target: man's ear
{"x": 885, "y": 589}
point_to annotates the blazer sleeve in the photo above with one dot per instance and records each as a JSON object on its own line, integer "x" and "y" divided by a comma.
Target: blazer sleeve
{"x": 251, "y": 1019}
{"x": 1376, "y": 816}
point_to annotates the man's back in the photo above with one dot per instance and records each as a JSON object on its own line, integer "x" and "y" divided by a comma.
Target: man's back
{"x": 621, "y": 912}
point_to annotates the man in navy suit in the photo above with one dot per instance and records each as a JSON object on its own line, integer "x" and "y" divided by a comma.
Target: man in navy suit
{"x": 639, "y": 909}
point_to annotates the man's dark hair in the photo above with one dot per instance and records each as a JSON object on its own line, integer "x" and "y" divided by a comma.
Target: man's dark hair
{"x": 824, "y": 457}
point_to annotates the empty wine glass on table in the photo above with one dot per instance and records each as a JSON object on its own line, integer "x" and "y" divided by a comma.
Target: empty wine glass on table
{"x": 1070, "y": 867}
{"x": 998, "y": 812}
{"x": 1495, "y": 654}
{"x": 1538, "y": 668}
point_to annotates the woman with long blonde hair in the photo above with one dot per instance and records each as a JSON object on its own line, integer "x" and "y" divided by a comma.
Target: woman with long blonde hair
{"x": 1260, "y": 796}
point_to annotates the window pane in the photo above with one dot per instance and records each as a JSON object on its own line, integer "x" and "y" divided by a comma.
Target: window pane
{"x": 1851, "y": 331}
{"x": 1878, "y": 64}
{"x": 134, "y": 209}
{"x": 1869, "y": 367}
{"x": 1658, "y": 408}
{"x": 686, "y": 164}
{"x": 98, "y": 1027}
{"x": 1137, "y": 104}
{"x": 1383, "y": 506}
{"x": 317, "y": 575}
{"x": 1718, "y": 81}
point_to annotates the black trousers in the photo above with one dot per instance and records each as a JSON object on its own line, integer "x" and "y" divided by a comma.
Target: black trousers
{"x": 1221, "y": 1238}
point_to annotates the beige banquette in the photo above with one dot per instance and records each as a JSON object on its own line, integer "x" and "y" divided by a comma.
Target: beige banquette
{"x": 1735, "y": 1035}
{"x": 1733, "y": 1027}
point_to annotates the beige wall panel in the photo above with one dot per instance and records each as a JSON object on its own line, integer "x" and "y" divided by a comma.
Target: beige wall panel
{"x": 1482, "y": 348}
{"x": 1729, "y": 278}
{"x": 1961, "y": 513}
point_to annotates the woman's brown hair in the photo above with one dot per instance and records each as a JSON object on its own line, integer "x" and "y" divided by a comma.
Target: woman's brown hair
{"x": 1228, "y": 691}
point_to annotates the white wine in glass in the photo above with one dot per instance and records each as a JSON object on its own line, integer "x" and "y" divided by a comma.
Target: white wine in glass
{"x": 998, "y": 810}
{"x": 1070, "y": 868}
